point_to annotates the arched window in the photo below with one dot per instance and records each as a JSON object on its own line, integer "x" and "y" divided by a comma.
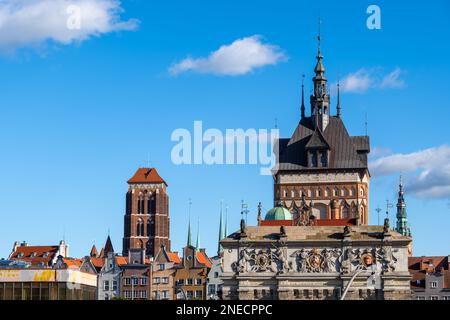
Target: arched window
{"x": 293, "y": 193}
{"x": 352, "y": 191}
{"x": 150, "y": 228}
{"x": 319, "y": 192}
{"x": 336, "y": 192}
{"x": 345, "y": 212}
{"x": 141, "y": 203}
{"x": 151, "y": 204}
{"x": 140, "y": 228}
{"x": 361, "y": 191}
{"x": 327, "y": 192}
{"x": 285, "y": 194}
{"x": 344, "y": 192}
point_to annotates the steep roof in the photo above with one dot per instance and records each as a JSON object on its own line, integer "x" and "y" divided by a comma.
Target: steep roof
{"x": 173, "y": 256}
{"x": 35, "y": 254}
{"x": 203, "y": 259}
{"x": 108, "y": 246}
{"x": 419, "y": 266}
{"x": 94, "y": 252}
{"x": 146, "y": 175}
{"x": 346, "y": 152}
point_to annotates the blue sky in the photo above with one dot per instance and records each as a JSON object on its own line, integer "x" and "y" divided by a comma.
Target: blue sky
{"x": 79, "y": 113}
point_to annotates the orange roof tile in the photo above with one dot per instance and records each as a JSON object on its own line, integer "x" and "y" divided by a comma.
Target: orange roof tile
{"x": 203, "y": 258}
{"x": 97, "y": 262}
{"x": 173, "y": 257}
{"x": 72, "y": 262}
{"x": 121, "y": 260}
{"x": 146, "y": 175}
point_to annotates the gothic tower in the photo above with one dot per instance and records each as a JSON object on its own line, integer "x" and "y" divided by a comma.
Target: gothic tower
{"x": 147, "y": 213}
{"x": 321, "y": 164}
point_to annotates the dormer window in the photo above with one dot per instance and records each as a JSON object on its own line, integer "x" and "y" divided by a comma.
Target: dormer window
{"x": 20, "y": 255}
{"x": 33, "y": 254}
{"x": 324, "y": 158}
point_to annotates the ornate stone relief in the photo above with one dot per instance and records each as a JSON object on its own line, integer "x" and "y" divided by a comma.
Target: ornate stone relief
{"x": 263, "y": 261}
{"x": 314, "y": 260}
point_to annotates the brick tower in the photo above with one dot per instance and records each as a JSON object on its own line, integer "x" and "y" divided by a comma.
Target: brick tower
{"x": 146, "y": 221}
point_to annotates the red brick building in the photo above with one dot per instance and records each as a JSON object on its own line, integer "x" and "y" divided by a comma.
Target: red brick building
{"x": 146, "y": 224}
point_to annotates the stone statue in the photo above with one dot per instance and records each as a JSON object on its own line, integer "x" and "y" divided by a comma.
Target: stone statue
{"x": 350, "y": 257}
{"x": 387, "y": 258}
{"x": 327, "y": 263}
{"x": 244, "y": 261}
{"x": 243, "y": 228}
{"x": 281, "y": 257}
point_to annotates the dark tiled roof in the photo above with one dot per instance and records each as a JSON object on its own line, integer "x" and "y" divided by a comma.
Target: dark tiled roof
{"x": 346, "y": 152}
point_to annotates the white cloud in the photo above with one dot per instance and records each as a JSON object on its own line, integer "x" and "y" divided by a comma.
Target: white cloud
{"x": 392, "y": 80}
{"x": 33, "y": 23}
{"x": 365, "y": 79}
{"x": 238, "y": 58}
{"x": 428, "y": 170}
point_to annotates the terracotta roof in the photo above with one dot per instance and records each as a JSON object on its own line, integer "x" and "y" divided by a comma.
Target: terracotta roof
{"x": 94, "y": 251}
{"x": 173, "y": 257}
{"x": 203, "y": 258}
{"x": 146, "y": 175}
{"x": 420, "y": 266}
{"x": 35, "y": 254}
{"x": 97, "y": 262}
{"x": 318, "y": 222}
{"x": 72, "y": 262}
{"x": 121, "y": 260}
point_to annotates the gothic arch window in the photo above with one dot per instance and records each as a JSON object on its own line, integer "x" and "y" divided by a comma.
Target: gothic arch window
{"x": 361, "y": 192}
{"x": 140, "y": 228}
{"x": 293, "y": 193}
{"x": 327, "y": 192}
{"x": 319, "y": 192}
{"x": 141, "y": 203}
{"x": 345, "y": 212}
{"x": 285, "y": 193}
{"x": 150, "y": 228}
{"x": 344, "y": 192}
{"x": 324, "y": 158}
{"x": 352, "y": 191}
{"x": 151, "y": 203}
{"x": 336, "y": 192}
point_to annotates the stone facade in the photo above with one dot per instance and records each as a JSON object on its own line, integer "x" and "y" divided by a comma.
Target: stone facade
{"x": 315, "y": 263}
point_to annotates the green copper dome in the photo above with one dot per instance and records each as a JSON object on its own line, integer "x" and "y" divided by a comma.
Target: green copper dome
{"x": 278, "y": 213}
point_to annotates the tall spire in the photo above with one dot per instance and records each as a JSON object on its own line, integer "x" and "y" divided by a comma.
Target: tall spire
{"x": 338, "y": 107}
{"x": 303, "y": 97}
{"x": 189, "y": 237}
{"x": 221, "y": 231}
{"x": 402, "y": 220}
{"x": 319, "y": 69}
{"x": 197, "y": 243}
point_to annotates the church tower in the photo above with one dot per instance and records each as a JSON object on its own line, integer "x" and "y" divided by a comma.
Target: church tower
{"x": 147, "y": 213}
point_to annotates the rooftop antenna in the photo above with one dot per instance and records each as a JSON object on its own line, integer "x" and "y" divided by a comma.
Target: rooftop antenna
{"x": 244, "y": 210}
{"x": 365, "y": 124}
{"x": 388, "y": 205}
{"x": 378, "y": 210}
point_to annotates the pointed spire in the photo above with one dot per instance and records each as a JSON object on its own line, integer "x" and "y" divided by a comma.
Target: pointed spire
{"x": 402, "y": 219}
{"x": 189, "y": 237}
{"x": 226, "y": 220}
{"x": 221, "y": 230}
{"x": 303, "y": 97}
{"x": 319, "y": 69}
{"x": 338, "y": 107}
{"x": 94, "y": 252}
{"x": 197, "y": 243}
{"x": 108, "y": 246}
